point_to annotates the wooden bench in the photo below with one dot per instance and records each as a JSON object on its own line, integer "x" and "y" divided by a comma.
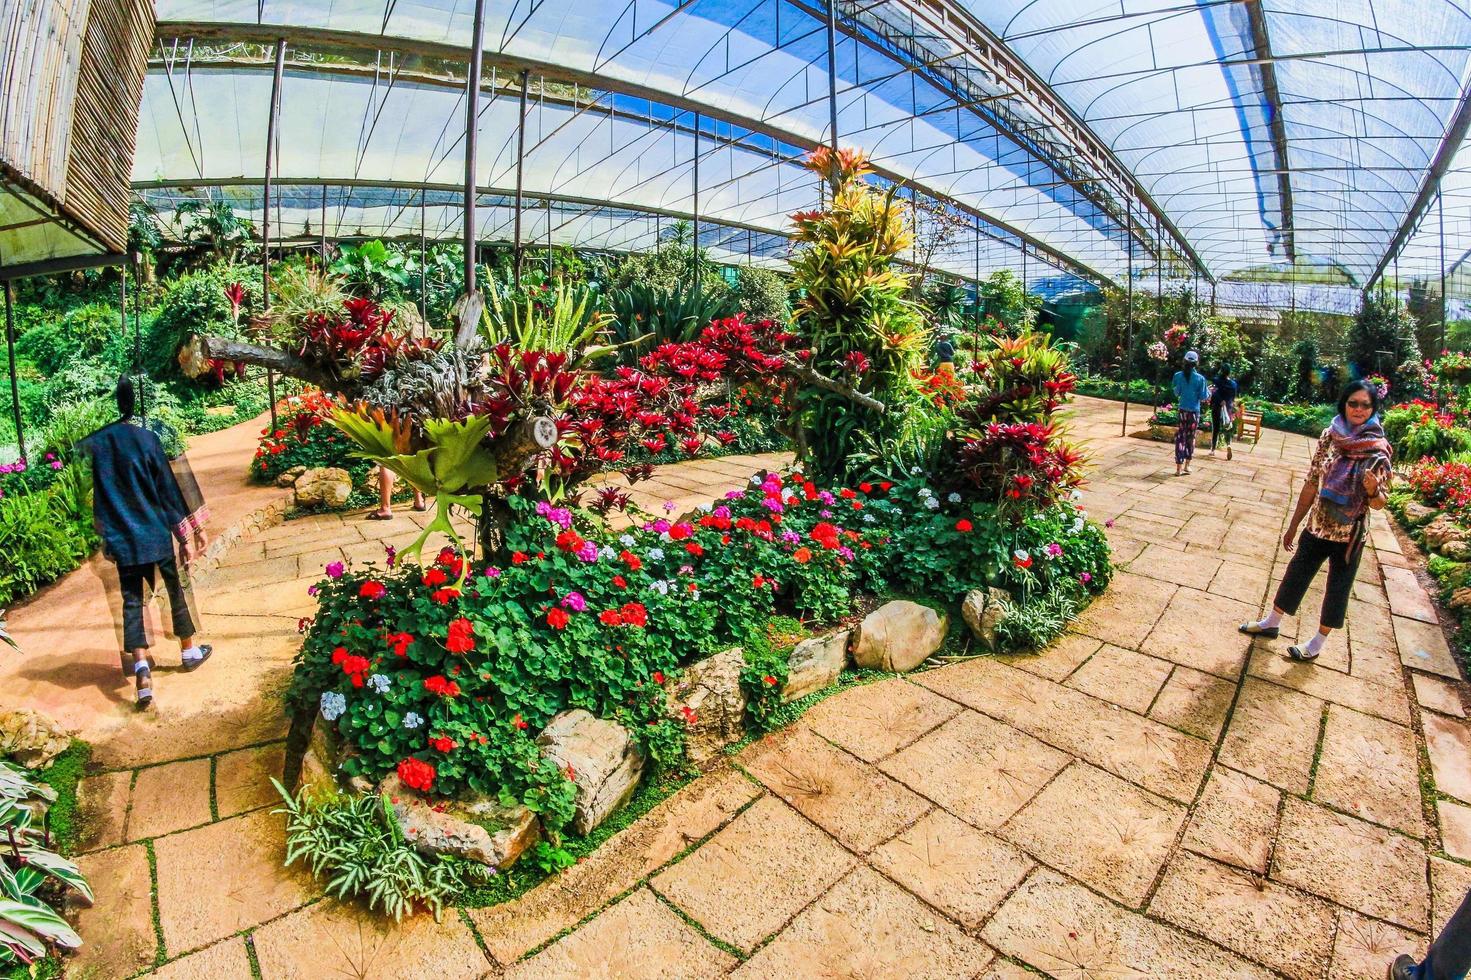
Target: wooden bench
{"x": 1248, "y": 422}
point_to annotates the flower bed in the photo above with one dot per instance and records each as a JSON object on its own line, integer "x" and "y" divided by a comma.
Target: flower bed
{"x": 1434, "y": 506}
{"x": 448, "y": 687}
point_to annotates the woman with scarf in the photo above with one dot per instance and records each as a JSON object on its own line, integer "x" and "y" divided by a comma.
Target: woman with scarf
{"x": 1190, "y": 391}
{"x": 1348, "y": 478}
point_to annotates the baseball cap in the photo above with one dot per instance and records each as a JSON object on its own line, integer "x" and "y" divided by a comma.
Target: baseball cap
{"x": 1192, "y": 357}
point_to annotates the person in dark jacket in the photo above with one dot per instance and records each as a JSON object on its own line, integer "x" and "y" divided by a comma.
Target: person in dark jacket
{"x": 1223, "y": 409}
{"x": 140, "y": 513}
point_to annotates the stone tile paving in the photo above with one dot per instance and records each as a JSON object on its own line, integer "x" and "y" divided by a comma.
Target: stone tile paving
{"x": 1154, "y": 795}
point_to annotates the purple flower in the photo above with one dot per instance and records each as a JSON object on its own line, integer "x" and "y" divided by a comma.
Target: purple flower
{"x": 825, "y": 496}
{"x": 311, "y": 590}
{"x": 721, "y": 511}
{"x": 791, "y": 537}
{"x": 574, "y": 601}
{"x": 492, "y": 572}
{"x": 1108, "y": 523}
{"x": 773, "y": 505}
{"x": 1085, "y": 578}
{"x": 846, "y": 553}
{"x": 668, "y": 506}
{"x": 392, "y": 554}
{"x": 1053, "y": 550}
{"x": 735, "y": 494}
{"x": 661, "y": 526}
{"x": 824, "y": 514}
{"x": 56, "y": 465}
{"x": 588, "y": 551}
{"x": 335, "y": 569}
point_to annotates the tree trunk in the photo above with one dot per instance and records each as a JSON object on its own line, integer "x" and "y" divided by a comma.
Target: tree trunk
{"x": 283, "y": 362}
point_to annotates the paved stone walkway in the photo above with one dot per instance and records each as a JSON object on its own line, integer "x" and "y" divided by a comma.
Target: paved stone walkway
{"x": 1154, "y": 795}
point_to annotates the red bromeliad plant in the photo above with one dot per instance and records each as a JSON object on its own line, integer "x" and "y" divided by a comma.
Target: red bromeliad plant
{"x": 358, "y": 343}
{"x": 1027, "y": 465}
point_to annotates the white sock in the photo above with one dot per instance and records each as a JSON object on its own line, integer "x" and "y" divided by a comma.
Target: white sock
{"x": 1271, "y": 619}
{"x": 192, "y": 653}
{"x": 1316, "y": 643}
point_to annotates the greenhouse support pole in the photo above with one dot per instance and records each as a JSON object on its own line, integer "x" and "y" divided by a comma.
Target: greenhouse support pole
{"x": 137, "y": 332}
{"x": 975, "y": 331}
{"x": 832, "y": 73}
{"x": 472, "y": 132}
{"x": 324, "y": 227}
{"x": 20, "y": 436}
{"x": 520, "y": 173}
{"x": 549, "y": 237}
{"x": 1444, "y": 305}
{"x": 695, "y": 210}
{"x": 265, "y": 253}
{"x": 1129, "y": 327}
{"x": 423, "y": 267}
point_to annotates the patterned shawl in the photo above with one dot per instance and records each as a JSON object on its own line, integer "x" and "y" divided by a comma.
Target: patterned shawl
{"x": 1357, "y": 451}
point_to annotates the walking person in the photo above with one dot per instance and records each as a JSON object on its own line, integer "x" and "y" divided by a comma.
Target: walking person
{"x": 944, "y": 355}
{"x": 1223, "y": 409}
{"x": 385, "y": 497}
{"x": 1347, "y": 479}
{"x": 1450, "y": 955}
{"x": 140, "y": 513}
{"x": 1190, "y": 392}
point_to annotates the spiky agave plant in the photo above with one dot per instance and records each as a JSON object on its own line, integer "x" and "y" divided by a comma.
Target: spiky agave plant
{"x": 855, "y": 316}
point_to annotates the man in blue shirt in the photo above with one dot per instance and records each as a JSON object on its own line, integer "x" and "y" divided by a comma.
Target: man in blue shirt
{"x": 1190, "y": 391}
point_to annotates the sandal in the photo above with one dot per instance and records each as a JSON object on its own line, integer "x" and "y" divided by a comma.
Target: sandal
{"x": 194, "y": 663}
{"x": 1301, "y": 653}
{"x": 1228, "y": 454}
{"x": 144, "y": 694}
{"x": 1256, "y": 629}
{"x": 376, "y": 516}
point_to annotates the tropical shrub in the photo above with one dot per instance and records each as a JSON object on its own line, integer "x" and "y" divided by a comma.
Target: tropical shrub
{"x": 1384, "y": 324}
{"x": 29, "y": 927}
{"x": 356, "y": 844}
{"x": 646, "y": 316}
{"x": 41, "y": 540}
{"x": 761, "y": 294}
{"x": 1419, "y": 430}
{"x": 200, "y": 303}
{"x": 856, "y": 318}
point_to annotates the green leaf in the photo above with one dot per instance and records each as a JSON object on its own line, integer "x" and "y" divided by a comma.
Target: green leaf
{"x": 39, "y": 920}
{"x": 59, "y": 867}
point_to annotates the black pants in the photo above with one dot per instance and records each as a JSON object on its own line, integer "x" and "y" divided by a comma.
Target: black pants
{"x": 1450, "y": 955}
{"x": 131, "y": 578}
{"x": 1216, "y": 419}
{"x": 1311, "y": 552}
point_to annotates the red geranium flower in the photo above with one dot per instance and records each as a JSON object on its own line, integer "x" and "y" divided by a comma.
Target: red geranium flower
{"x": 758, "y": 582}
{"x": 372, "y": 590}
{"x": 442, "y": 744}
{"x": 620, "y": 581}
{"x": 659, "y": 677}
{"x": 439, "y": 685}
{"x": 964, "y": 526}
{"x": 443, "y": 596}
{"x": 802, "y": 556}
{"x": 558, "y": 618}
{"x": 461, "y": 636}
{"x": 399, "y": 642}
{"x": 610, "y": 617}
{"x": 520, "y": 723}
{"x": 518, "y": 558}
{"x": 634, "y": 562}
{"x": 634, "y": 614}
{"x": 435, "y": 577}
{"x": 416, "y": 774}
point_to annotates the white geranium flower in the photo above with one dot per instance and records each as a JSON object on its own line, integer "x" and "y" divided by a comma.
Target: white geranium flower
{"x": 627, "y": 540}
{"x": 661, "y": 587}
{"x": 932, "y": 503}
{"x": 412, "y": 720}
{"x": 954, "y": 497}
{"x": 656, "y": 554}
{"x": 380, "y": 683}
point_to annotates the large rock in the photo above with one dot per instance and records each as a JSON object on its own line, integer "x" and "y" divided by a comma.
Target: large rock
{"x": 1461, "y": 598}
{"x": 325, "y": 486}
{"x": 1417, "y": 513}
{"x": 600, "y": 757}
{"x": 708, "y": 698}
{"x": 30, "y": 738}
{"x": 1443, "y": 531}
{"x": 898, "y": 636}
{"x": 1459, "y": 550}
{"x": 289, "y": 477}
{"x": 815, "y": 663}
{"x": 477, "y": 829}
{"x": 983, "y": 611}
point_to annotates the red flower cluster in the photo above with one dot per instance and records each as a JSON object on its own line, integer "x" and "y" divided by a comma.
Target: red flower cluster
{"x": 631, "y": 614}
{"x": 442, "y": 687}
{"x": 416, "y": 774}
{"x": 442, "y": 744}
{"x": 372, "y": 590}
{"x": 461, "y": 636}
{"x": 399, "y": 643}
{"x": 358, "y": 341}
{"x": 355, "y": 667}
